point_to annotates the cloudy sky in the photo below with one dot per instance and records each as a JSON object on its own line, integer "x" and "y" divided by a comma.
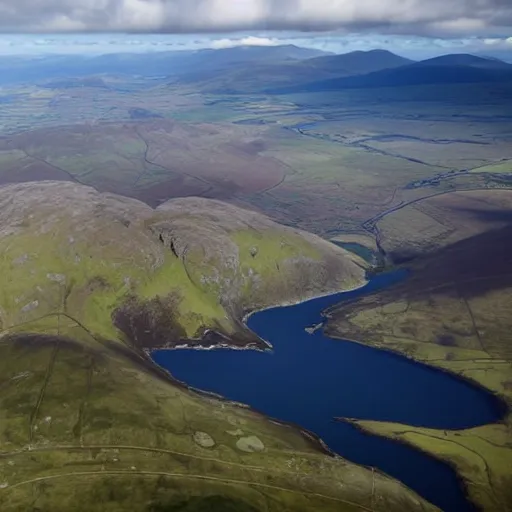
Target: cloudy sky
{"x": 407, "y": 26}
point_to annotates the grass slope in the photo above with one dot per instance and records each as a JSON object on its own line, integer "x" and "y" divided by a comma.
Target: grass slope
{"x": 88, "y": 422}
{"x": 68, "y": 249}
{"x": 86, "y": 427}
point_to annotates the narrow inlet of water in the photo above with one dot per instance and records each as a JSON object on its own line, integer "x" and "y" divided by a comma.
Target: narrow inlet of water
{"x": 310, "y": 379}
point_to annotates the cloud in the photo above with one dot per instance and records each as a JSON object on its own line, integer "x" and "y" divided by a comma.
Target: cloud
{"x": 218, "y": 44}
{"x": 493, "y": 41}
{"x": 496, "y": 41}
{"x": 445, "y": 17}
{"x": 459, "y": 26}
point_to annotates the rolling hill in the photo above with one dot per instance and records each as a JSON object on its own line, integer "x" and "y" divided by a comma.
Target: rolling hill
{"x": 213, "y": 261}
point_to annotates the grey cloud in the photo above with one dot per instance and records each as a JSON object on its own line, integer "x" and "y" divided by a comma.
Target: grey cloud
{"x": 448, "y": 17}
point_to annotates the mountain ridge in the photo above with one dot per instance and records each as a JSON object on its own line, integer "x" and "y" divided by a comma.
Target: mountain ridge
{"x": 256, "y": 76}
{"x": 439, "y": 70}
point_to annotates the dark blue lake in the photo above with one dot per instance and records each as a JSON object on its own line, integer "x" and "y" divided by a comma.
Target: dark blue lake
{"x": 309, "y": 379}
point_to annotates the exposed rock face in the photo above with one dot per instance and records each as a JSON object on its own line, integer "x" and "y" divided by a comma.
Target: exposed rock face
{"x": 204, "y": 440}
{"x": 250, "y": 444}
{"x": 247, "y": 258}
{"x": 161, "y": 276}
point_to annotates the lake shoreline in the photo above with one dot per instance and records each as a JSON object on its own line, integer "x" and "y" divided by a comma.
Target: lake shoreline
{"x": 316, "y": 441}
{"x": 327, "y": 441}
{"x": 198, "y": 344}
{"x": 287, "y": 304}
{"x": 499, "y": 403}
{"x": 355, "y": 423}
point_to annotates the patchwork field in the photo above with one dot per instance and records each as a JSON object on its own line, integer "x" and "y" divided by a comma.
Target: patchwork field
{"x": 503, "y": 166}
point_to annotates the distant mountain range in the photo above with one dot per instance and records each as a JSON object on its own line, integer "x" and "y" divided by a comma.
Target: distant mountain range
{"x": 170, "y": 64}
{"x": 261, "y": 69}
{"x": 256, "y": 76}
{"x": 447, "y": 69}
{"x": 464, "y": 59}
{"x": 245, "y": 54}
{"x": 239, "y": 56}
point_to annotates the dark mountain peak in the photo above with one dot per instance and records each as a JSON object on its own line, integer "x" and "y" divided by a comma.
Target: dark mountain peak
{"x": 448, "y": 69}
{"x": 292, "y": 47}
{"x": 464, "y": 59}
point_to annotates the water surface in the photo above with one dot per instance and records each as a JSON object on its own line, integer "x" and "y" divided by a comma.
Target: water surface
{"x": 309, "y": 379}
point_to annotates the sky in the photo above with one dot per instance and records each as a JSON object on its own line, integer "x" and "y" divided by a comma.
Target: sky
{"x": 414, "y": 28}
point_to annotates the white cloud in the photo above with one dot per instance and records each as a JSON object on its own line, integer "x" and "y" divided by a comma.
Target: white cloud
{"x": 472, "y": 17}
{"x": 139, "y": 14}
{"x": 62, "y": 23}
{"x": 499, "y": 42}
{"x": 463, "y": 25}
{"x": 244, "y": 41}
{"x": 231, "y": 13}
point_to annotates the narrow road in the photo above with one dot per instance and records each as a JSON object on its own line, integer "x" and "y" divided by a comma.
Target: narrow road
{"x": 191, "y": 477}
